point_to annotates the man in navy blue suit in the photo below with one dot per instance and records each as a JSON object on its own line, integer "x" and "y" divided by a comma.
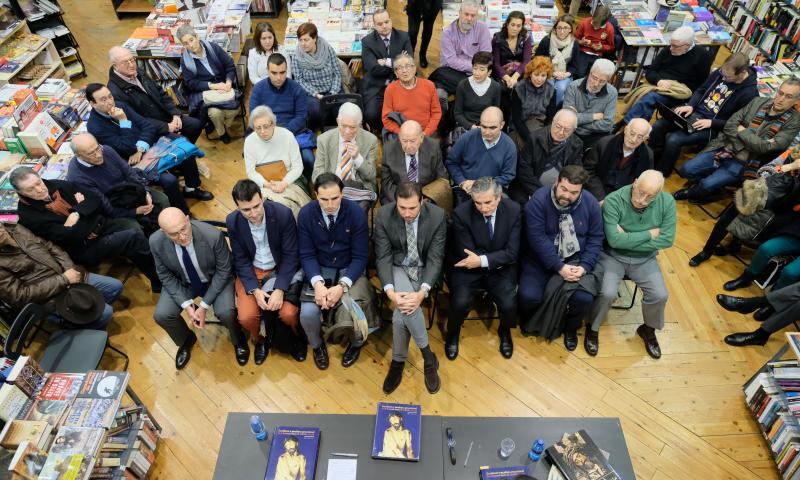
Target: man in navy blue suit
{"x": 263, "y": 238}
{"x": 333, "y": 243}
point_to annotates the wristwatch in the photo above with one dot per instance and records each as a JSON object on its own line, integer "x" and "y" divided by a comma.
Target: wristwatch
{"x": 344, "y": 286}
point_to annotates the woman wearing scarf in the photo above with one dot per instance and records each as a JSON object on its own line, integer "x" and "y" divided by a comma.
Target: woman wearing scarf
{"x": 533, "y": 101}
{"x": 206, "y": 67}
{"x": 564, "y": 53}
{"x": 316, "y": 68}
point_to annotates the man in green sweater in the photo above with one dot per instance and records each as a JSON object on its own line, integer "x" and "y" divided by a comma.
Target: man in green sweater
{"x": 639, "y": 220}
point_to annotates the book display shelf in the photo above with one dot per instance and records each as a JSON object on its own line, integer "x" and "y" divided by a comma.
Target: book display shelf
{"x": 28, "y": 57}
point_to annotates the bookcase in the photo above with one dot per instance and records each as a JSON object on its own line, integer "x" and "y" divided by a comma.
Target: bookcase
{"x": 762, "y": 29}
{"x": 29, "y": 58}
{"x": 266, "y": 8}
{"x": 46, "y": 18}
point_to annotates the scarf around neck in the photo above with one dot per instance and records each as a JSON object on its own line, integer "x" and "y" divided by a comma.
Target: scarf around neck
{"x": 560, "y": 52}
{"x": 480, "y": 89}
{"x": 321, "y": 58}
{"x": 566, "y": 240}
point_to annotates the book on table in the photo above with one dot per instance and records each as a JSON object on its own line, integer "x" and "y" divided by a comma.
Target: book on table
{"x": 503, "y": 473}
{"x": 398, "y": 432}
{"x": 578, "y": 457}
{"x": 293, "y": 453}
{"x": 27, "y": 462}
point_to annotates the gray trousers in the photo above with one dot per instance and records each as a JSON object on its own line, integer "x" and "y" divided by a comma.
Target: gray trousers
{"x": 311, "y": 315}
{"x": 405, "y": 326}
{"x": 645, "y": 273}
{"x": 786, "y": 302}
{"x": 168, "y": 316}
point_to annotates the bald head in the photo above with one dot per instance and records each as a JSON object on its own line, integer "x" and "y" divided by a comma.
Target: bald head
{"x": 491, "y": 124}
{"x": 636, "y": 132}
{"x": 175, "y": 225}
{"x": 492, "y": 114}
{"x": 86, "y": 148}
{"x": 564, "y": 124}
{"x": 116, "y": 53}
{"x": 646, "y": 188}
{"x": 411, "y": 137}
{"x": 411, "y": 127}
{"x": 122, "y": 61}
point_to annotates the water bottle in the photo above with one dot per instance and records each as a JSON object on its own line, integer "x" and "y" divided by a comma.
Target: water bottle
{"x": 257, "y": 427}
{"x": 536, "y": 450}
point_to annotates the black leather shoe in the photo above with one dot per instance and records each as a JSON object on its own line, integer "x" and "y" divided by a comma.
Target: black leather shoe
{"x": 185, "y": 351}
{"x": 350, "y": 355}
{"x": 226, "y": 139}
{"x": 591, "y": 341}
{"x": 743, "y": 281}
{"x": 242, "y": 354}
{"x": 764, "y": 313}
{"x": 260, "y": 352}
{"x": 758, "y": 337}
{"x": 199, "y": 194}
{"x": 423, "y": 61}
{"x": 393, "y": 377}
{"x": 321, "y": 357}
{"x": 699, "y": 258}
{"x": 506, "y": 344}
{"x": 300, "y": 353}
{"x": 451, "y": 347}
{"x": 650, "y": 341}
{"x": 431, "y": 367}
{"x": 571, "y": 340}
{"x": 681, "y": 194}
{"x": 739, "y": 304}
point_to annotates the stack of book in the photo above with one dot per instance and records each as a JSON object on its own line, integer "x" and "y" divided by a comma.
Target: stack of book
{"x": 342, "y": 24}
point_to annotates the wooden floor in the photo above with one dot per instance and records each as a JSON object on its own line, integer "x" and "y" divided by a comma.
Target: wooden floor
{"x": 683, "y": 416}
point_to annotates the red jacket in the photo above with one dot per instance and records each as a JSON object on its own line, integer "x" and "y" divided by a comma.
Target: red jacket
{"x": 605, "y": 35}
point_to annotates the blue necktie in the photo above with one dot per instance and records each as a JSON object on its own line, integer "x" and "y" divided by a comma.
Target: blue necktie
{"x": 198, "y": 287}
{"x": 490, "y": 227}
{"x": 331, "y": 222}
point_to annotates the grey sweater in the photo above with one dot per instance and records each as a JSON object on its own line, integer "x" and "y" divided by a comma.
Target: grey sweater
{"x": 604, "y": 102}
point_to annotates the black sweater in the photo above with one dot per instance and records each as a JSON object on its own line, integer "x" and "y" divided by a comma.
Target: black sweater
{"x": 691, "y": 68}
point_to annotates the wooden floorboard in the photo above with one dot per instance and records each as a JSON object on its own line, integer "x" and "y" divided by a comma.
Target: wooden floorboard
{"x": 683, "y": 415}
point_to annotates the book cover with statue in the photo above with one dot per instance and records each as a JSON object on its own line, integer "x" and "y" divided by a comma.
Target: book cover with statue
{"x": 398, "y": 432}
{"x": 293, "y": 453}
{"x": 578, "y": 457}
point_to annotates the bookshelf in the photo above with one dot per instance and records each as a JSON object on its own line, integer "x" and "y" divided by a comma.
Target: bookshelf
{"x": 35, "y": 59}
{"x": 762, "y": 29}
{"x": 266, "y": 8}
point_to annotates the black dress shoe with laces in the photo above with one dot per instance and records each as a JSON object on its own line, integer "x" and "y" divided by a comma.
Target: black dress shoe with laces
{"x": 242, "y": 354}
{"x": 393, "y": 377}
{"x": 758, "y": 337}
{"x": 591, "y": 341}
{"x": 764, "y": 313}
{"x": 650, "y": 341}
{"x": 300, "y": 353}
{"x": 743, "y": 281}
{"x": 681, "y": 194}
{"x": 321, "y": 359}
{"x": 451, "y": 347}
{"x": 699, "y": 258}
{"x": 571, "y": 340}
{"x": 740, "y": 304}
{"x": 260, "y": 352}
{"x": 185, "y": 351}
{"x": 199, "y": 194}
{"x": 506, "y": 344}
{"x": 350, "y": 355}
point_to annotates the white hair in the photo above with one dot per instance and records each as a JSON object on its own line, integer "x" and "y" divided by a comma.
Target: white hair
{"x": 262, "y": 111}
{"x": 604, "y": 66}
{"x": 350, "y": 110}
{"x": 116, "y": 52}
{"x": 469, "y": 3}
{"x": 684, "y": 34}
{"x": 567, "y": 112}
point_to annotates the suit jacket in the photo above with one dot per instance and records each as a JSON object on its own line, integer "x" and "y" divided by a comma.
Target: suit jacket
{"x": 391, "y": 247}
{"x": 373, "y": 49}
{"x": 602, "y": 163}
{"x": 108, "y": 132}
{"x": 502, "y": 250}
{"x": 328, "y": 156}
{"x": 393, "y": 166}
{"x": 282, "y": 239}
{"x": 213, "y": 258}
{"x": 153, "y": 102}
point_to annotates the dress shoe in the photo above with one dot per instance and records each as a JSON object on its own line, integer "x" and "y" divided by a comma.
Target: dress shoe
{"x": 702, "y": 197}
{"x": 764, "y": 313}
{"x": 757, "y": 337}
{"x": 393, "y": 377}
{"x": 242, "y": 354}
{"x": 321, "y": 357}
{"x": 650, "y": 341}
{"x": 199, "y": 194}
{"x": 739, "y": 304}
{"x": 699, "y": 258}
{"x": 506, "y": 344}
{"x": 226, "y": 139}
{"x": 300, "y": 352}
{"x": 185, "y": 351}
{"x": 571, "y": 340}
{"x": 423, "y": 61}
{"x": 681, "y": 194}
{"x": 591, "y": 341}
{"x": 431, "y": 367}
{"x": 260, "y": 352}
{"x": 742, "y": 281}
{"x": 451, "y": 347}
{"x": 350, "y": 355}
{"x": 732, "y": 248}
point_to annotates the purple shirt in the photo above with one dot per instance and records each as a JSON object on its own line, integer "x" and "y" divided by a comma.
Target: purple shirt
{"x": 457, "y": 48}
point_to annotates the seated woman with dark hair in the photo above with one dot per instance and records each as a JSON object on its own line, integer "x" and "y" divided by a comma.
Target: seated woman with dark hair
{"x": 533, "y": 101}
{"x": 315, "y": 67}
{"x": 265, "y": 43}
{"x": 563, "y": 50}
{"x": 511, "y": 50}
{"x": 476, "y": 92}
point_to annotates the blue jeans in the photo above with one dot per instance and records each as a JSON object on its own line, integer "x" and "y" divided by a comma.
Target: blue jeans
{"x": 307, "y": 155}
{"x": 110, "y": 288}
{"x": 561, "y": 87}
{"x": 646, "y": 105}
{"x": 667, "y": 140}
{"x": 701, "y": 169}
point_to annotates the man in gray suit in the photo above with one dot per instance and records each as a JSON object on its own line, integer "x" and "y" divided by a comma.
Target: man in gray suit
{"x": 776, "y": 310}
{"x": 412, "y": 158}
{"x": 193, "y": 260}
{"x": 409, "y": 252}
{"x": 349, "y": 152}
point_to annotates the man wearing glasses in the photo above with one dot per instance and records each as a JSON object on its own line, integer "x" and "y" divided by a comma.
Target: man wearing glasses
{"x": 595, "y": 102}
{"x": 616, "y": 160}
{"x": 482, "y": 152}
{"x": 409, "y": 98}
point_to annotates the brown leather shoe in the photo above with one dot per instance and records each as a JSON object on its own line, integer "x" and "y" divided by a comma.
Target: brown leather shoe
{"x": 650, "y": 341}
{"x": 591, "y": 341}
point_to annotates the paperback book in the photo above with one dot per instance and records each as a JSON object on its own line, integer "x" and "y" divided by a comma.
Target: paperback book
{"x": 398, "y": 432}
{"x": 503, "y": 473}
{"x": 578, "y": 457}
{"x": 293, "y": 453}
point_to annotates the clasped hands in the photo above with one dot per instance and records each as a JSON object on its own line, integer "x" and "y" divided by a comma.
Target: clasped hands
{"x": 326, "y": 298}
{"x": 196, "y": 314}
{"x": 407, "y": 302}
{"x": 270, "y": 301}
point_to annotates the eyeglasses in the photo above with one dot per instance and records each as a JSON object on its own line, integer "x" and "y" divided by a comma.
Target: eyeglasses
{"x": 564, "y": 28}
{"x": 264, "y": 128}
{"x": 638, "y": 136}
{"x": 562, "y": 128}
{"x": 128, "y": 60}
{"x": 184, "y": 231}
{"x": 98, "y": 150}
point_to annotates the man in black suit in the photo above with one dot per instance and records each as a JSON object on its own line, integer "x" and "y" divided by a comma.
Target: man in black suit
{"x": 409, "y": 252}
{"x": 486, "y": 239}
{"x": 413, "y": 157}
{"x": 378, "y": 49}
{"x": 147, "y": 98}
{"x": 617, "y": 160}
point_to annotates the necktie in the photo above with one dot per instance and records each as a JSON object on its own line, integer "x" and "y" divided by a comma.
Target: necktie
{"x": 198, "y": 287}
{"x": 345, "y": 165}
{"x": 386, "y": 42}
{"x": 489, "y": 227}
{"x": 331, "y": 222}
{"x": 412, "y": 263}
{"x": 412, "y": 169}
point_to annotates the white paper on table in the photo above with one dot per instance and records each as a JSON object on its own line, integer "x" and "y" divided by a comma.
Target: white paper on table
{"x": 342, "y": 468}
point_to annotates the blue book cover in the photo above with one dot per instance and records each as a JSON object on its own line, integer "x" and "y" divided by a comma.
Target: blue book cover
{"x": 503, "y": 473}
{"x": 398, "y": 432}
{"x": 293, "y": 453}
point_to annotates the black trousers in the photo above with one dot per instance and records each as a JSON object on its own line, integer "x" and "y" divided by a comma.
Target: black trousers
{"x": 191, "y": 128}
{"x": 720, "y": 230}
{"x": 414, "y": 22}
{"x": 373, "y": 110}
{"x": 501, "y": 290}
{"x": 114, "y": 242}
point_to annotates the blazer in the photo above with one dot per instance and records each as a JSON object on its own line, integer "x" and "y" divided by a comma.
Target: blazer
{"x": 282, "y": 239}
{"x": 328, "y": 156}
{"x": 601, "y": 162}
{"x": 502, "y": 250}
{"x": 153, "y": 103}
{"x": 213, "y": 258}
{"x": 430, "y": 166}
{"x": 373, "y": 49}
{"x": 346, "y": 247}
{"x": 123, "y": 140}
{"x": 391, "y": 247}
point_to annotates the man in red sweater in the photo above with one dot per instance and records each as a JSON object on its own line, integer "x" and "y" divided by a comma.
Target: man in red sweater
{"x": 414, "y": 98}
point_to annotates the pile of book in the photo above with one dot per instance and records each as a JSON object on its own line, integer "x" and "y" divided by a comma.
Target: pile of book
{"x": 38, "y": 9}
{"x": 53, "y": 32}
{"x": 18, "y": 50}
{"x": 342, "y": 24}
{"x": 540, "y": 15}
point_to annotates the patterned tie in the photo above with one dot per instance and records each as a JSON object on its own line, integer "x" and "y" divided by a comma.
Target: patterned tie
{"x": 331, "y": 222}
{"x": 198, "y": 287}
{"x": 412, "y": 264}
{"x": 412, "y": 169}
{"x": 386, "y": 42}
{"x": 490, "y": 227}
{"x": 345, "y": 166}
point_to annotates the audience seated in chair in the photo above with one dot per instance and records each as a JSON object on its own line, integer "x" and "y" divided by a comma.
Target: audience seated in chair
{"x": 511, "y": 51}
{"x": 265, "y": 43}
{"x": 533, "y": 100}
{"x": 315, "y": 67}
{"x": 411, "y": 98}
{"x": 476, "y": 93}
{"x": 617, "y": 160}
{"x": 595, "y": 35}
{"x": 755, "y": 134}
{"x": 564, "y": 52}
{"x": 595, "y": 102}
{"x": 410, "y": 240}
{"x": 639, "y": 220}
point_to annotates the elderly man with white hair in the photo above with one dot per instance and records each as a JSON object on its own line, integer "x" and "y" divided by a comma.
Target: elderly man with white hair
{"x": 349, "y": 152}
{"x": 675, "y": 73}
{"x": 272, "y": 160}
{"x": 146, "y": 97}
{"x": 595, "y": 102}
{"x": 617, "y": 160}
{"x": 639, "y": 220}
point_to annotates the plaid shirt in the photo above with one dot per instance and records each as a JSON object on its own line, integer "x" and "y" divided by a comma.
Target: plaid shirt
{"x": 318, "y": 80}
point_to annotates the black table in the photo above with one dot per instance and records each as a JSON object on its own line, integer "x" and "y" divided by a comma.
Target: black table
{"x": 242, "y": 457}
